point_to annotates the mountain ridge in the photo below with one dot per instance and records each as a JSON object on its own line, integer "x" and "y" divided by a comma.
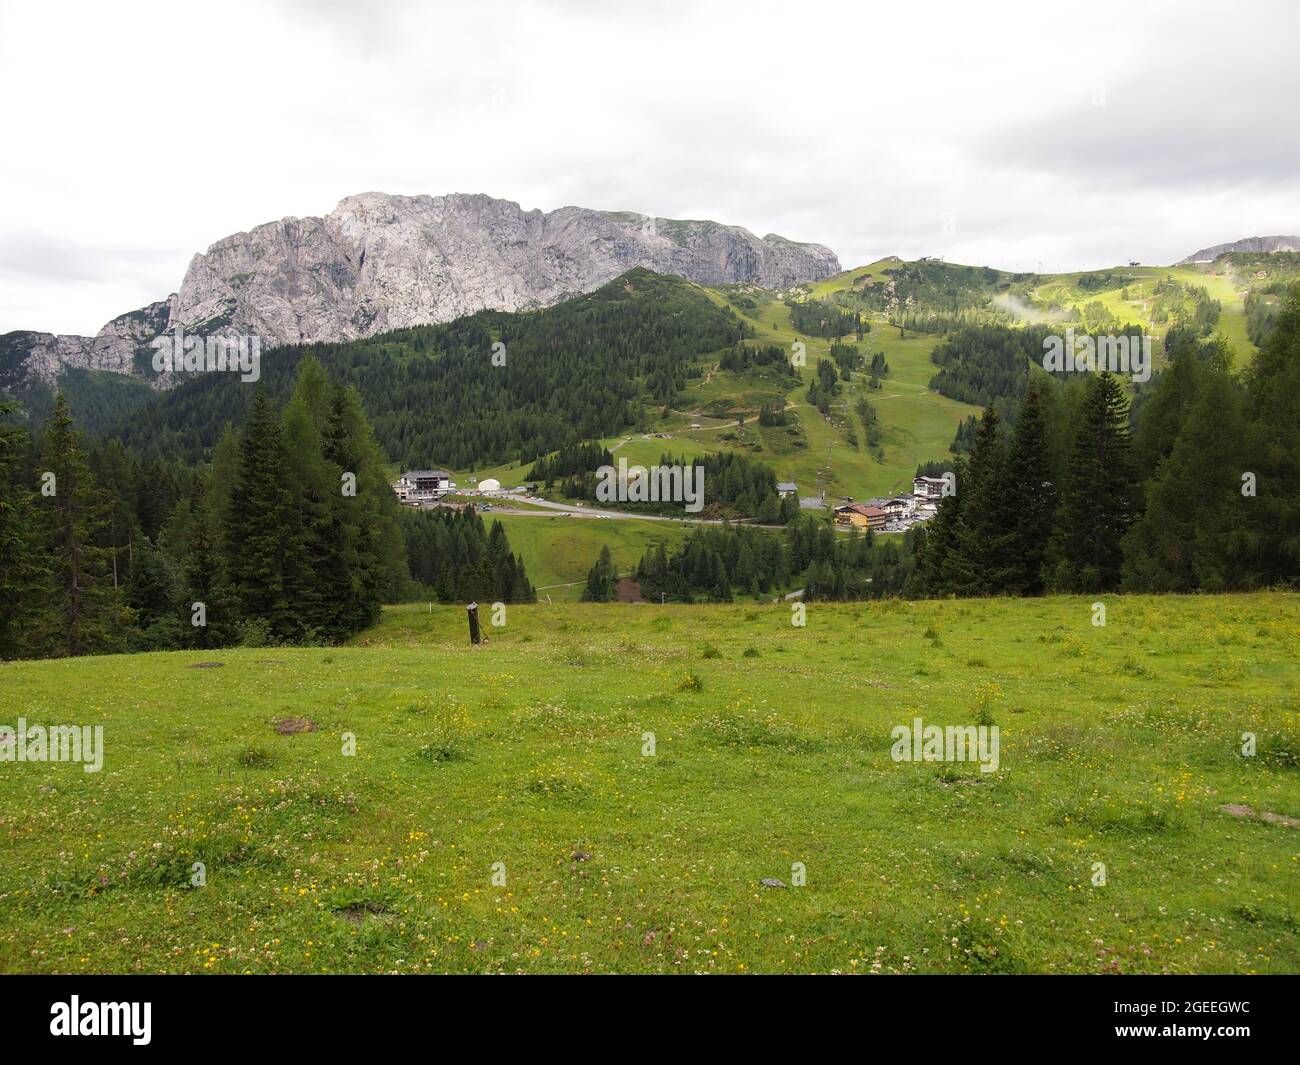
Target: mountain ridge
{"x": 1246, "y": 244}
{"x": 379, "y": 262}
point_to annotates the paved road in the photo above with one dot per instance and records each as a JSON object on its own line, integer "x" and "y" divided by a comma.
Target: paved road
{"x": 550, "y": 509}
{"x": 537, "y": 507}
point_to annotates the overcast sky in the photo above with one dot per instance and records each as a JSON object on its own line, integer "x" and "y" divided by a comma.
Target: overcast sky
{"x": 1068, "y": 135}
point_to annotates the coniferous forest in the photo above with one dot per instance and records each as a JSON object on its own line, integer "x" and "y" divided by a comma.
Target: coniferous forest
{"x": 291, "y": 534}
{"x": 489, "y": 388}
{"x": 1193, "y": 490}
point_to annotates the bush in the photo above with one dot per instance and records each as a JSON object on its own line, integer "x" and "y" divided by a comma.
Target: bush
{"x": 255, "y": 632}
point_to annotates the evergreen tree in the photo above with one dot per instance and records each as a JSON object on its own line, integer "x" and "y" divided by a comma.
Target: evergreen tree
{"x": 261, "y": 540}
{"x": 152, "y": 592}
{"x": 25, "y": 566}
{"x": 984, "y": 523}
{"x": 600, "y": 579}
{"x": 86, "y": 613}
{"x": 204, "y": 578}
{"x": 1195, "y": 514}
{"x": 310, "y": 557}
{"x": 1030, "y": 491}
{"x": 930, "y": 575}
{"x": 367, "y": 556}
{"x": 1274, "y": 451}
{"x": 1098, "y": 499}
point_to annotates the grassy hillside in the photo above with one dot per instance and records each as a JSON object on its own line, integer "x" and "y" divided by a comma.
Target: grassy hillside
{"x": 1119, "y": 745}
{"x": 918, "y": 424}
{"x": 559, "y": 550}
{"x": 1124, "y": 291}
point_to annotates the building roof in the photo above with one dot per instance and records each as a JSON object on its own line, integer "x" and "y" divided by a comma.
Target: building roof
{"x": 863, "y": 509}
{"x": 786, "y": 486}
{"x": 442, "y": 475}
{"x": 928, "y": 480}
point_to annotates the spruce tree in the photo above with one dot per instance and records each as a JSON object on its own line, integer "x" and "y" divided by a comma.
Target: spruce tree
{"x": 1195, "y": 514}
{"x": 982, "y": 529}
{"x": 368, "y": 552}
{"x": 86, "y": 613}
{"x": 25, "y": 564}
{"x": 261, "y": 536}
{"x": 309, "y": 557}
{"x": 929, "y": 577}
{"x": 1273, "y": 455}
{"x": 1030, "y": 492}
{"x": 1099, "y": 497}
{"x": 600, "y": 579}
{"x": 204, "y": 578}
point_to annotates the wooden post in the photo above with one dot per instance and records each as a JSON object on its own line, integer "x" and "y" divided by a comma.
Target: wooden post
{"x": 475, "y": 633}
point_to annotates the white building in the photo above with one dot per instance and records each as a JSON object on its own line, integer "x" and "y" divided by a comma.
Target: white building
{"x": 423, "y": 486}
{"x": 898, "y": 508}
{"x": 928, "y": 487}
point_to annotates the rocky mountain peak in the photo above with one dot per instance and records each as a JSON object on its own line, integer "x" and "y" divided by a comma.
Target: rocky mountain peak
{"x": 380, "y": 261}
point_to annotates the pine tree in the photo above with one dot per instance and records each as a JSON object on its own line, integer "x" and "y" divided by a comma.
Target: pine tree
{"x": 929, "y": 576}
{"x": 204, "y": 578}
{"x": 114, "y": 477}
{"x": 1274, "y": 451}
{"x": 310, "y": 556}
{"x": 1195, "y": 513}
{"x": 261, "y": 536}
{"x": 25, "y": 565}
{"x": 1098, "y": 499}
{"x": 86, "y": 613}
{"x": 1030, "y": 490}
{"x": 982, "y": 528}
{"x": 368, "y": 554}
{"x": 600, "y": 579}
{"x": 151, "y": 591}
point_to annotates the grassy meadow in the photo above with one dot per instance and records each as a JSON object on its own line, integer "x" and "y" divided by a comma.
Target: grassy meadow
{"x": 558, "y": 551}
{"x": 1119, "y": 745}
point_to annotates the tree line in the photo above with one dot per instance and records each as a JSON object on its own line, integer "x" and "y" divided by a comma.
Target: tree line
{"x": 735, "y": 486}
{"x": 1195, "y": 488}
{"x": 722, "y": 563}
{"x": 291, "y": 534}
{"x": 1198, "y": 491}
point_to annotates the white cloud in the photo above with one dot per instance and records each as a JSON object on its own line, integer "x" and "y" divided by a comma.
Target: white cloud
{"x": 142, "y": 135}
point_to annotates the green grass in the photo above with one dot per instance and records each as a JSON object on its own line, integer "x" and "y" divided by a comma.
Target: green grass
{"x": 560, "y": 551}
{"x": 1118, "y": 745}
